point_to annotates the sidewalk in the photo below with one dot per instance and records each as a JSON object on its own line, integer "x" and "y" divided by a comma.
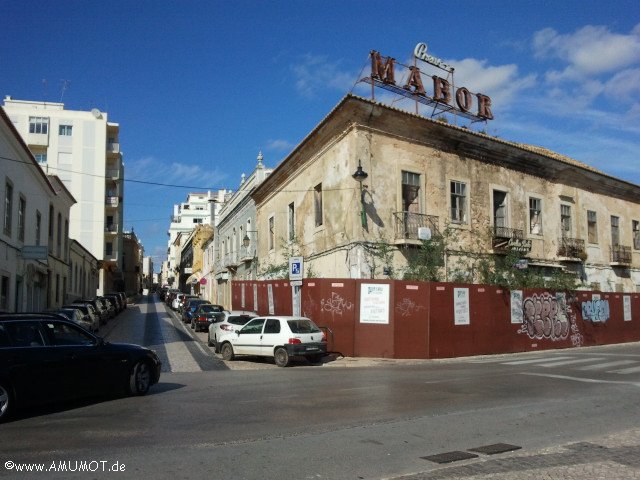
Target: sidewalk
{"x": 610, "y": 457}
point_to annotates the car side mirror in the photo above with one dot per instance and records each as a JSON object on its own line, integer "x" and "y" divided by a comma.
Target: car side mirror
{"x": 238, "y": 332}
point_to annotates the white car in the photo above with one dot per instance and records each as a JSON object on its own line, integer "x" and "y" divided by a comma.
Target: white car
{"x": 230, "y": 321}
{"x": 279, "y": 337}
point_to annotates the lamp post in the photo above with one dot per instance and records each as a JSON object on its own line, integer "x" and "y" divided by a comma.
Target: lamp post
{"x": 360, "y": 176}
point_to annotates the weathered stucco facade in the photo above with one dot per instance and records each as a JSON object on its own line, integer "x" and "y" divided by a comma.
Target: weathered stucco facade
{"x": 425, "y": 176}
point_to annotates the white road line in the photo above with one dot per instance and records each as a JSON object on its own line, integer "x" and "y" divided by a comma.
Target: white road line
{"x": 535, "y": 360}
{"x": 624, "y": 371}
{"x": 578, "y": 379}
{"x": 600, "y": 366}
{"x": 568, "y": 362}
{"x": 180, "y": 358}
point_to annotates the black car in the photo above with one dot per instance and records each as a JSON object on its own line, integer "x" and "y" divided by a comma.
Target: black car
{"x": 44, "y": 358}
{"x": 204, "y": 315}
{"x": 190, "y": 307}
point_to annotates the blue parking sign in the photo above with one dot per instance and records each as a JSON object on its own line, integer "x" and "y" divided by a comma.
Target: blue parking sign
{"x": 295, "y": 268}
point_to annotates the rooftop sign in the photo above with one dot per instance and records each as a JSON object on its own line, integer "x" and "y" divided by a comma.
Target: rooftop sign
{"x": 442, "y": 98}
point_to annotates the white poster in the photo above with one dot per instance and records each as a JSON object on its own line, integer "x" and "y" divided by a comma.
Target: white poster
{"x": 270, "y": 296}
{"x": 255, "y": 297}
{"x": 626, "y": 302}
{"x": 517, "y": 313}
{"x": 242, "y": 295}
{"x": 461, "y": 306}
{"x": 296, "y": 299}
{"x": 374, "y": 303}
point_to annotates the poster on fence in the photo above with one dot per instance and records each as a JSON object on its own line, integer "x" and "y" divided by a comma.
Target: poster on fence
{"x": 270, "y": 298}
{"x": 374, "y": 303}
{"x": 517, "y": 313}
{"x": 461, "y": 306}
{"x": 626, "y": 303}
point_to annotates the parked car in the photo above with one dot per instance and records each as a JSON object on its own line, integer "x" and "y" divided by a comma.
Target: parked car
{"x": 112, "y": 305}
{"x": 116, "y": 299}
{"x": 76, "y": 316}
{"x": 171, "y": 294}
{"x": 101, "y": 313}
{"x": 204, "y": 315}
{"x": 89, "y": 313}
{"x": 190, "y": 307}
{"x": 279, "y": 337}
{"x": 39, "y": 356}
{"x": 123, "y": 297}
{"x": 232, "y": 320}
{"x": 106, "y": 303}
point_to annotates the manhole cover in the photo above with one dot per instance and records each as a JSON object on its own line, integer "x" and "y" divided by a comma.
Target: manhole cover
{"x": 495, "y": 448}
{"x": 450, "y": 457}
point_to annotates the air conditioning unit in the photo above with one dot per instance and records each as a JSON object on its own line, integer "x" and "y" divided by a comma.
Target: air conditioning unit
{"x": 424, "y": 233}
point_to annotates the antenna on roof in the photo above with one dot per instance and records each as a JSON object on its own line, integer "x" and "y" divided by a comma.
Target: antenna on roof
{"x": 65, "y": 85}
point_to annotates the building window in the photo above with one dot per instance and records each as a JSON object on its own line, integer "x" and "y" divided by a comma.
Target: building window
{"x": 41, "y": 158}
{"x": 500, "y": 220}
{"x": 317, "y": 197}
{"x": 291, "y": 212}
{"x": 565, "y": 221}
{"x": 22, "y": 211}
{"x": 38, "y": 125}
{"x": 272, "y": 233}
{"x": 197, "y": 220}
{"x": 59, "y": 235}
{"x": 615, "y": 230}
{"x": 410, "y": 192}
{"x": 4, "y": 293}
{"x": 66, "y": 238}
{"x": 109, "y": 249}
{"x": 535, "y": 216}
{"x": 635, "y": 227}
{"x": 592, "y": 227}
{"x": 38, "y": 227}
{"x": 8, "y": 207}
{"x": 57, "y": 288}
{"x": 65, "y": 130}
{"x": 458, "y": 202}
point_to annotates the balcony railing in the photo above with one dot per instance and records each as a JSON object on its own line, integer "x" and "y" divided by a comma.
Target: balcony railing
{"x": 113, "y": 147}
{"x": 510, "y": 239}
{"x": 621, "y": 254}
{"x": 231, "y": 259}
{"x": 408, "y": 225}
{"x": 571, "y": 248}
{"x": 247, "y": 253}
{"x": 111, "y": 228}
{"x": 113, "y": 173}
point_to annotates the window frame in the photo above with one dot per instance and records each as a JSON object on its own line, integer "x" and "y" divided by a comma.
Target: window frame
{"x": 456, "y": 209}
{"x": 65, "y": 130}
{"x": 291, "y": 221}
{"x": 566, "y": 220}
{"x": 318, "y": 205}
{"x": 592, "y": 227}
{"x": 8, "y": 207}
{"x": 635, "y": 232}
{"x": 22, "y": 214}
{"x": 538, "y": 223}
{"x": 271, "y": 232}
{"x": 39, "y": 125}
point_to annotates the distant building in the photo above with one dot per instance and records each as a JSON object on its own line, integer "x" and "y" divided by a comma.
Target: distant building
{"x": 147, "y": 272}
{"x": 83, "y": 149}
{"x": 133, "y": 254}
{"x": 83, "y": 277}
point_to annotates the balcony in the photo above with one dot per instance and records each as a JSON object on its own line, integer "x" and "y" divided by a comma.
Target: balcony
{"x": 620, "y": 255}
{"x": 572, "y": 249}
{"x": 112, "y": 173}
{"x": 113, "y": 147}
{"x": 175, "y": 218}
{"x": 111, "y": 228}
{"x": 112, "y": 202}
{"x": 507, "y": 239}
{"x": 247, "y": 254}
{"x": 231, "y": 260}
{"x": 408, "y": 227}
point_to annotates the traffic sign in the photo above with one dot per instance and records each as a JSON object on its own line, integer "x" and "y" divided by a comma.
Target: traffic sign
{"x": 296, "y": 267}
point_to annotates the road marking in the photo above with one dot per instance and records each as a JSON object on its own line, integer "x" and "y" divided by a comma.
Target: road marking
{"x": 569, "y": 362}
{"x": 600, "y": 366}
{"x": 624, "y": 371}
{"x": 180, "y": 358}
{"x": 578, "y": 379}
{"x": 536, "y": 360}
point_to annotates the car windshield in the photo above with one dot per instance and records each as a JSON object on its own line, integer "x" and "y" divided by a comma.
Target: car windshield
{"x": 302, "y": 326}
{"x": 239, "y": 319}
{"x": 209, "y": 308}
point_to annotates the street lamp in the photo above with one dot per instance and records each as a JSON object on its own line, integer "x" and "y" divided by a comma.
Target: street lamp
{"x": 360, "y": 176}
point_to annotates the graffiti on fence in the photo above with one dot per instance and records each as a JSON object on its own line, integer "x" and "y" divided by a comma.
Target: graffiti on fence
{"x": 407, "y": 307}
{"x": 595, "y": 310}
{"x": 549, "y": 317}
{"x": 336, "y": 304}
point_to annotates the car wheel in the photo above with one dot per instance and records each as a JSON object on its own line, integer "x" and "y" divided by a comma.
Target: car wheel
{"x": 227, "y": 352}
{"x": 210, "y": 342}
{"x": 6, "y": 401}
{"x": 140, "y": 378}
{"x": 281, "y": 357}
{"x": 216, "y": 349}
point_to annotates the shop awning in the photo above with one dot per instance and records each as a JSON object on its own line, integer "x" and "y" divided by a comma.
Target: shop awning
{"x": 193, "y": 278}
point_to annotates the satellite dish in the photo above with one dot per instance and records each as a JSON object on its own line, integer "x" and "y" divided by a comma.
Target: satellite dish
{"x": 96, "y": 113}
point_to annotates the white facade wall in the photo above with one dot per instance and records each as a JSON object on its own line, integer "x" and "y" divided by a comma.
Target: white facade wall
{"x": 82, "y": 148}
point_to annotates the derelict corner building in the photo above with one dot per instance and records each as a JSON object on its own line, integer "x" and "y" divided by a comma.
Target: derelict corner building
{"x": 416, "y": 176}
{"x": 82, "y": 148}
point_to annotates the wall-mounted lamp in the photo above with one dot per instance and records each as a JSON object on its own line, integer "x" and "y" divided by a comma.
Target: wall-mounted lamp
{"x": 246, "y": 241}
{"x": 360, "y": 176}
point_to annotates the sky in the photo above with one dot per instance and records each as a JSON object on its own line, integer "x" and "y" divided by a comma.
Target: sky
{"x": 199, "y": 88}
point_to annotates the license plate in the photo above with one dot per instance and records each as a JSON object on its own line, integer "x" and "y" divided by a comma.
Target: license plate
{"x": 312, "y": 348}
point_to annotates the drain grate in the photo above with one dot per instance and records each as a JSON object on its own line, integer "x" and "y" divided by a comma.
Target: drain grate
{"x": 495, "y": 448}
{"x": 450, "y": 457}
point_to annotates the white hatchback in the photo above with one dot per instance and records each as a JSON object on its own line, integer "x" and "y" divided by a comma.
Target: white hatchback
{"x": 279, "y": 337}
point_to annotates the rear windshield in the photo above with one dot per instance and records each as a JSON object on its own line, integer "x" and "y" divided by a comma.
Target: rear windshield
{"x": 239, "y": 319}
{"x": 302, "y": 326}
{"x": 209, "y": 308}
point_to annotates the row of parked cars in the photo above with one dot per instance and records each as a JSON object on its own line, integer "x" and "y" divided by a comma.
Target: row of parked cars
{"x": 52, "y": 356}
{"x": 95, "y": 312}
{"x": 240, "y": 332}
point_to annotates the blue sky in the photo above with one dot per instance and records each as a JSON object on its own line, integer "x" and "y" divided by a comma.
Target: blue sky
{"x": 198, "y": 88}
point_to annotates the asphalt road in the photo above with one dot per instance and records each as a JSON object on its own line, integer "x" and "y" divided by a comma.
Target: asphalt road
{"x": 205, "y": 420}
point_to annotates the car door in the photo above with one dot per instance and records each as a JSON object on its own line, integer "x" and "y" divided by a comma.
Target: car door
{"x": 248, "y": 340}
{"x": 271, "y": 336}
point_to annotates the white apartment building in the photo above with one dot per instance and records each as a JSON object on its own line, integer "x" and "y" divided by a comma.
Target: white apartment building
{"x": 82, "y": 148}
{"x": 200, "y": 208}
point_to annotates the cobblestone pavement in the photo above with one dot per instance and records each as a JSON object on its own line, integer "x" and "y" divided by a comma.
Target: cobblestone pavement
{"x": 610, "y": 457}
